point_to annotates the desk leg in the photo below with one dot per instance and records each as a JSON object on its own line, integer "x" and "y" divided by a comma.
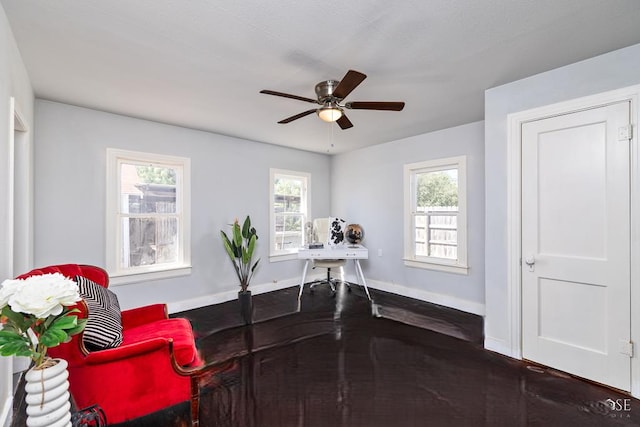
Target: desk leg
{"x": 361, "y": 279}
{"x": 304, "y": 277}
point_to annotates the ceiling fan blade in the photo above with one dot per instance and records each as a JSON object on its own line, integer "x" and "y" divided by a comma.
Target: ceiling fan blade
{"x": 297, "y": 116}
{"x": 344, "y": 122}
{"x": 389, "y": 106}
{"x": 286, "y": 95}
{"x": 349, "y": 82}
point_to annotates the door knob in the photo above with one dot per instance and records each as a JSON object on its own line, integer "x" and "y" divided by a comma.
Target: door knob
{"x": 531, "y": 262}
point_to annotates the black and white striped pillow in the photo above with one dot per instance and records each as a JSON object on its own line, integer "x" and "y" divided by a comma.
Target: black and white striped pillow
{"x": 104, "y": 322}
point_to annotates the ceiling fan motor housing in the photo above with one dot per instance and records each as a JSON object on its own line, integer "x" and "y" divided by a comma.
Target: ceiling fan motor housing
{"x": 324, "y": 90}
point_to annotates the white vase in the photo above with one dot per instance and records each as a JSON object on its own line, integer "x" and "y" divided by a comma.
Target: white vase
{"x": 48, "y": 396}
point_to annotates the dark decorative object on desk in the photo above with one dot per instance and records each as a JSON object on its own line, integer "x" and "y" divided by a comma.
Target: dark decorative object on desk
{"x": 354, "y": 234}
{"x": 240, "y": 248}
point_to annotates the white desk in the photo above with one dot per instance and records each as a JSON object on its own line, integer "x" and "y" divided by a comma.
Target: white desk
{"x": 354, "y": 252}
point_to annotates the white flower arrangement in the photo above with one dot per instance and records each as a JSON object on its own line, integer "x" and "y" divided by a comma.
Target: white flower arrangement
{"x": 35, "y": 315}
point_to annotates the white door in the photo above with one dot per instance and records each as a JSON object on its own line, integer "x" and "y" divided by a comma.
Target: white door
{"x": 576, "y": 281}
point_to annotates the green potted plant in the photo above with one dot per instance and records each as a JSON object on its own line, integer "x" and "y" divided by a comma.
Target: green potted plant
{"x": 240, "y": 248}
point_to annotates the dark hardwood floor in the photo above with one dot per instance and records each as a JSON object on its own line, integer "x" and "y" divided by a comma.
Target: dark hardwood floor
{"x": 333, "y": 364}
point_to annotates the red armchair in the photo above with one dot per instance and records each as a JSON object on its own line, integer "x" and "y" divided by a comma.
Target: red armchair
{"x": 147, "y": 372}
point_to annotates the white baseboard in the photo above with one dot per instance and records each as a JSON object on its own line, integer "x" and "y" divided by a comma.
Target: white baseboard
{"x": 20, "y": 364}
{"x": 498, "y": 346}
{"x": 432, "y": 297}
{"x": 435, "y": 298}
{"x": 202, "y": 301}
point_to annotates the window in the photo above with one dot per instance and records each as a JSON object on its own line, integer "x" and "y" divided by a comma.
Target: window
{"x": 435, "y": 215}
{"x": 147, "y": 216}
{"x": 289, "y": 212}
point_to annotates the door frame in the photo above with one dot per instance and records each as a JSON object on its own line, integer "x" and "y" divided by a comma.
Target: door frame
{"x": 514, "y": 212}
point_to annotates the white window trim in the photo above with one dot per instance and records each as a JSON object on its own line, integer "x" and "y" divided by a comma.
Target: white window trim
{"x": 460, "y": 265}
{"x": 275, "y": 256}
{"x": 183, "y": 182}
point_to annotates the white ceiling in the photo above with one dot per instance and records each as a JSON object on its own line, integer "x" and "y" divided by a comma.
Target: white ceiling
{"x": 201, "y": 63}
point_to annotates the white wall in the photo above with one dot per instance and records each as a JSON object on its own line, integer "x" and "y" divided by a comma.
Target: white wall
{"x": 610, "y": 71}
{"x": 14, "y": 82}
{"x": 367, "y": 188}
{"x": 229, "y": 178}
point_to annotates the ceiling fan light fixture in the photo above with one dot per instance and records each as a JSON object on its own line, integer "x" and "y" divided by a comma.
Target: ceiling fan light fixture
{"x": 329, "y": 113}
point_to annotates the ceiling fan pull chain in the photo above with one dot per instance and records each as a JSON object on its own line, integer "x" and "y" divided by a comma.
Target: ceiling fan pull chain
{"x": 332, "y": 134}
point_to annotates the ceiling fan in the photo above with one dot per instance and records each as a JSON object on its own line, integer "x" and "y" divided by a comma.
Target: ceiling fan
{"x": 330, "y": 94}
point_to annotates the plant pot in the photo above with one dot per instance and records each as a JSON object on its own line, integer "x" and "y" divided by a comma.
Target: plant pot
{"x": 48, "y": 396}
{"x": 246, "y": 307}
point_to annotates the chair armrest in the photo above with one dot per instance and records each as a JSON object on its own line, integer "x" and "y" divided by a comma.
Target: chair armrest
{"x": 143, "y": 315}
{"x": 127, "y": 351}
